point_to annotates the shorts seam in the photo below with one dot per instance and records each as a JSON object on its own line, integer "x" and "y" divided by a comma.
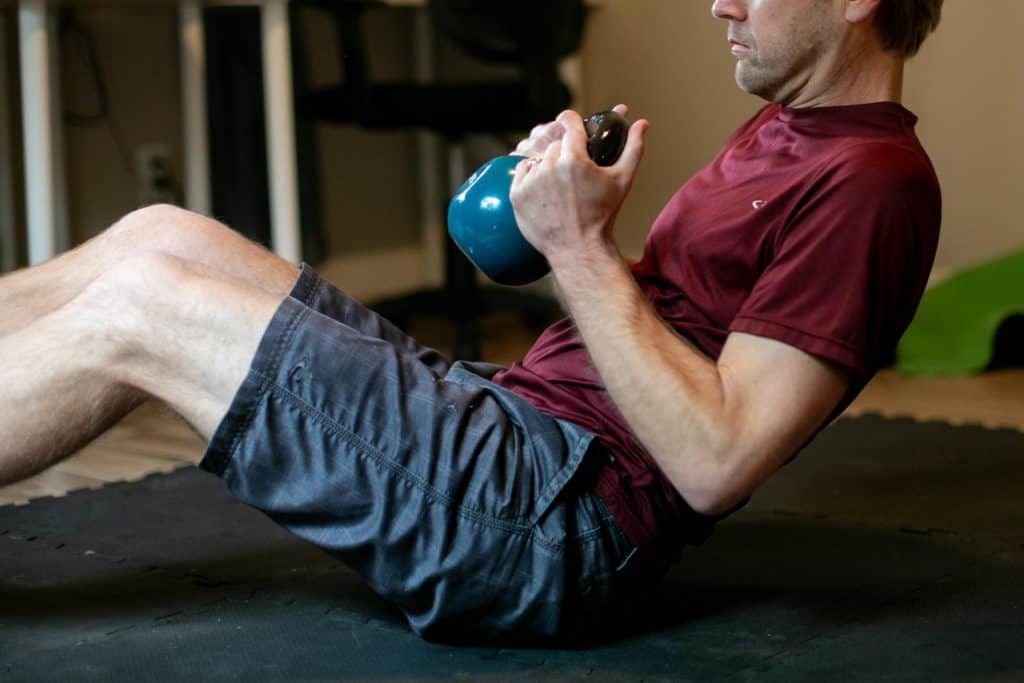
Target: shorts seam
{"x": 318, "y": 290}
{"x": 243, "y": 425}
{"x": 306, "y": 284}
{"x": 374, "y": 453}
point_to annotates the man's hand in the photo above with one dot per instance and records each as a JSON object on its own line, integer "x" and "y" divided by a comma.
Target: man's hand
{"x": 564, "y": 203}
{"x": 546, "y": 133}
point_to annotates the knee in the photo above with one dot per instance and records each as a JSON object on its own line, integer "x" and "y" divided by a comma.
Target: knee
{"x": 145, "y": 275}
{"x": 163, "y": 227}
{"x": 117, "y": 313}
{"x": 136, "y": 286}
{"x": 149, "y": 222}
{"x": 125, "y": 313}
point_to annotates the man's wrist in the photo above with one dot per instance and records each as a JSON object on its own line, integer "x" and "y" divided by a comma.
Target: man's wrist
{"x": 582, "y": 264}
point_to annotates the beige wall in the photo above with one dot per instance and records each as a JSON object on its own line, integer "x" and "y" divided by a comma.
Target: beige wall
{"x": 138, "y": 51}
{"x": 967, "y": 86}
{"x": 669, "y": 60}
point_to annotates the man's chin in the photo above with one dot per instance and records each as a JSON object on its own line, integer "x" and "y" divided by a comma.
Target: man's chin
{"x": 751, "y": 84}
{"x": 745, "y": 83}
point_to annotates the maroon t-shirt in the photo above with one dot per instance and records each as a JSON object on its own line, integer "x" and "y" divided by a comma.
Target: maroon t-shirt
{"x": 815, "y": 227}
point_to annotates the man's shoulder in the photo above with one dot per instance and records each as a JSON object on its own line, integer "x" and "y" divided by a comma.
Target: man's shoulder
{"x": 897, "y": 153}
{"x": 885, "y": 165}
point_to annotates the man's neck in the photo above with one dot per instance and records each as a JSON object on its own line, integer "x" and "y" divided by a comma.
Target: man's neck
{"x": 861, "y": 79}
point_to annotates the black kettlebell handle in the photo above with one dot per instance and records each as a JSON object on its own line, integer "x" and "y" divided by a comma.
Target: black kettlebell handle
{"x": 606, "y": 136}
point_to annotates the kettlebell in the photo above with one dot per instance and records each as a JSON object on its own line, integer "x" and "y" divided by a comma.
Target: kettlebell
{"x": 481, "y": 220}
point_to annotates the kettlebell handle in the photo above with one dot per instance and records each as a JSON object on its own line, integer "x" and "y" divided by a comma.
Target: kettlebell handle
{"x": 481, "y": 220}
{"x": 606, "y": 136}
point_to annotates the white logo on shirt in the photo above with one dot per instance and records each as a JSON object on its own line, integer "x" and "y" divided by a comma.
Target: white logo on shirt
{"x": 758, "y": 203}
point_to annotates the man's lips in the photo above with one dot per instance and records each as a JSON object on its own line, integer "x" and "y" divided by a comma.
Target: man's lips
{"x": 738, "y": 48}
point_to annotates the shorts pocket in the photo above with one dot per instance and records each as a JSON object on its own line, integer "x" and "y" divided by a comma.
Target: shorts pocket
{"x": 559, "y": 482}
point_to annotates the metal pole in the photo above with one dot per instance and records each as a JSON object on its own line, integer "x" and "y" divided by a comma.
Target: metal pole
{"x": 432, "y": 231}
{"x": 62, "y": 229}
{"x": 278, "y": 93}
{"x": 8, "y": 237}
{"x": 193, "y": 98}
{"x": 35, "y": 96}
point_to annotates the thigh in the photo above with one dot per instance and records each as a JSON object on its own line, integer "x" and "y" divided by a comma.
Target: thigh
{"x": 446, "y": 493}
{"x": 199, "y": 327}
{"x": 326, "y": 299}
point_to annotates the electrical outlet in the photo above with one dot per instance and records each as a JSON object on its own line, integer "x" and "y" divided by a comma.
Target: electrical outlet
{"x": 153, "y": 175}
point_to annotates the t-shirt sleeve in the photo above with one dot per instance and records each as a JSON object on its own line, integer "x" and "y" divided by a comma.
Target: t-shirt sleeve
{"x": 851, "y": 261}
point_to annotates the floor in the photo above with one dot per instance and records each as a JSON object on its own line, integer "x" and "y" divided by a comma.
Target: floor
{"x": 153, "y": 440}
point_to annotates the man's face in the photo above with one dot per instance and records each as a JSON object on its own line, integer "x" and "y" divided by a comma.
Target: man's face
{"x": 779, "y": 45}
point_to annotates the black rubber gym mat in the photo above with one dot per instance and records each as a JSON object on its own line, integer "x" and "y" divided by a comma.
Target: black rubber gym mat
{"x": 890, "y": 550}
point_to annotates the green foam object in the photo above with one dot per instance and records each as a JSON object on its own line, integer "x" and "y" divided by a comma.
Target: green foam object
{"x": 955, "y": 328}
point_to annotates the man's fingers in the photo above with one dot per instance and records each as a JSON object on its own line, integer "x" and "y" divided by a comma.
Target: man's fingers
{"x": 553, "y": 153}
{"x": 629, "y": 162}
{"x": 541, "y": 136}
{"x": 566, "y": 137}
{"x": 522, "y": 170}
{"x": 574, "y": 140}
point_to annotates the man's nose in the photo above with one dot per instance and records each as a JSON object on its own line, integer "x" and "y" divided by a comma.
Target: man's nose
{"x": 733, "y": 10}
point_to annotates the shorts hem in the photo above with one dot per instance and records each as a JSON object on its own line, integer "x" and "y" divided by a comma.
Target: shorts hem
{"x": 240, "y": 413}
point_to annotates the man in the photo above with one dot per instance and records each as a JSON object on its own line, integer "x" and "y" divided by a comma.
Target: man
{"x": 528, "y": 502}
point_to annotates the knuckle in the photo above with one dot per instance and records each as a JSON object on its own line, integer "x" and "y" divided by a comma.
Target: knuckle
{"x": 565, "y": 116}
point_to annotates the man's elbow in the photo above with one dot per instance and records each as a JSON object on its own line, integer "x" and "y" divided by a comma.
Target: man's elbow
{"x": 719, "y": 487}
{"x": 712, "y": 500}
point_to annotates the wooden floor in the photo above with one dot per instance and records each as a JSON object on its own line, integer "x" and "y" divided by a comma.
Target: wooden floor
{"x": 154, "y": 440}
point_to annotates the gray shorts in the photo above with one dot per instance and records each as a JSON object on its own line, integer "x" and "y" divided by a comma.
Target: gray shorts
{"x": 453, "y": 498}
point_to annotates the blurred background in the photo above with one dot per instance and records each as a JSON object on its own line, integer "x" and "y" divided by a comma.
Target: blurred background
{"x": 668, "y": 60}
{"x": 371, "y": 198}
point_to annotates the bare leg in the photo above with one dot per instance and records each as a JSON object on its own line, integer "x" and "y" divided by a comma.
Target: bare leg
{"x": 154, "y": 325}
{"x": 55, "y": 395}
{"x": 32, "y": 302}
{"x": 29, "y": 294}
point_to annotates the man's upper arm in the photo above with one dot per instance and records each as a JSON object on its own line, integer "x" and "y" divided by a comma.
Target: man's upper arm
{"x": 776, "y": 397}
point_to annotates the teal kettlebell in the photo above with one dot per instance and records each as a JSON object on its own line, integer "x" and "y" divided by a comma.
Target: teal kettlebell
{"x": 481, "y": 220}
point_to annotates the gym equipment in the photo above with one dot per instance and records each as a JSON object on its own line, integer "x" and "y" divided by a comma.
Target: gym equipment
{"x": 481, "y": 220}
{"x": 959, "y": 319}
{"x": 527, "y": 40}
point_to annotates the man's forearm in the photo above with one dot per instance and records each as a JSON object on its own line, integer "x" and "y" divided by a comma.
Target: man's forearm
{"x": 670, "y": 394}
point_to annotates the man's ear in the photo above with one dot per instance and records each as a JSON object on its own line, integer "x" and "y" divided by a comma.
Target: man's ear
{"x": 858, "y": 11}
